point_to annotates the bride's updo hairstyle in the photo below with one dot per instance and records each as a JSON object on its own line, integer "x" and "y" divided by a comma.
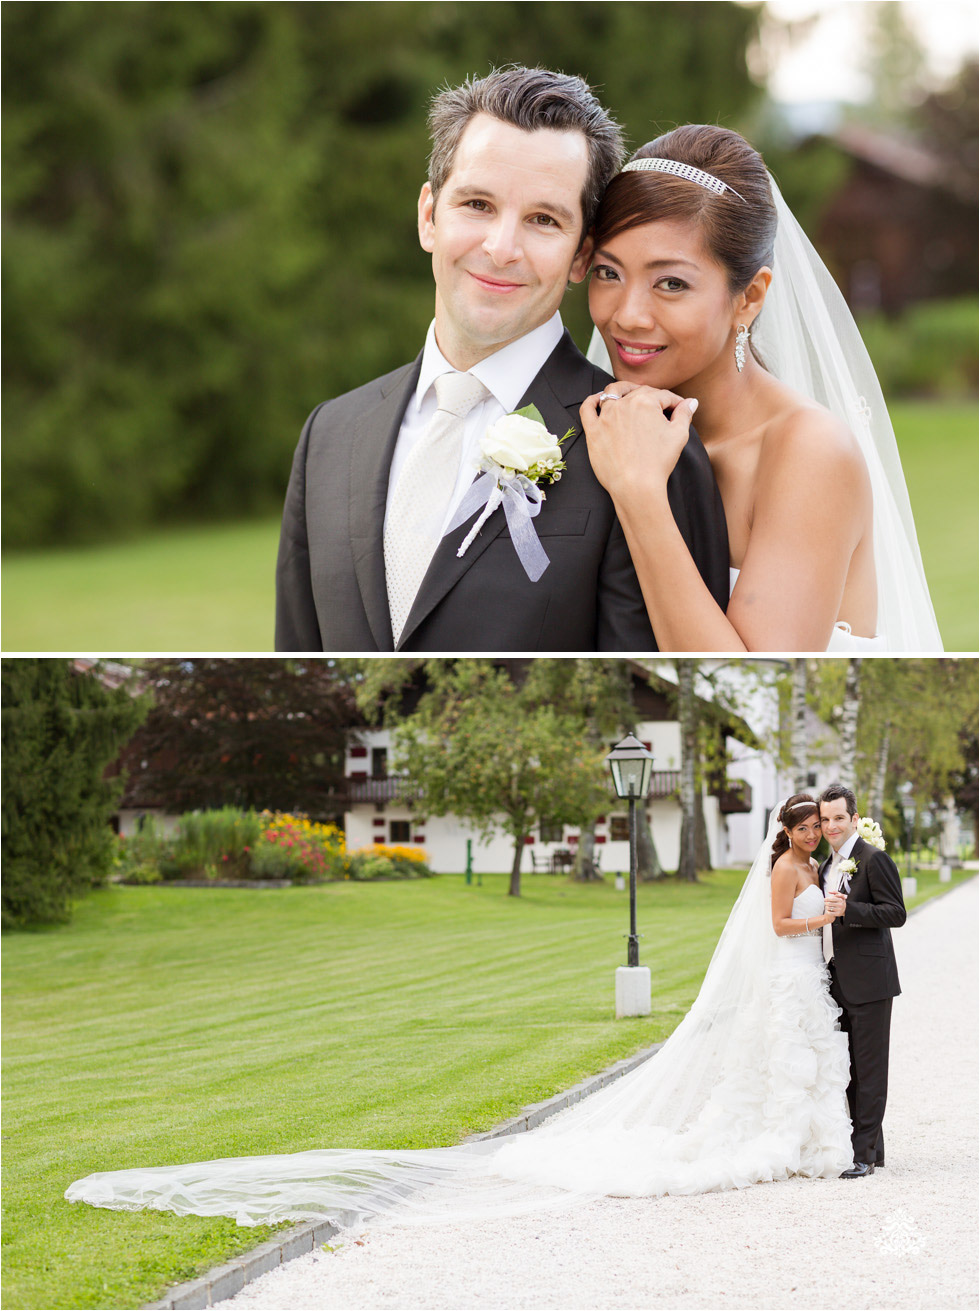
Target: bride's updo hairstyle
{"x": 738, "y": 225}
{"x": 795, "y": 811}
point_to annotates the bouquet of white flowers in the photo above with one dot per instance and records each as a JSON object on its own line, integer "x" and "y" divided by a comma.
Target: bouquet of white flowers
{"x": 870, "y": 830}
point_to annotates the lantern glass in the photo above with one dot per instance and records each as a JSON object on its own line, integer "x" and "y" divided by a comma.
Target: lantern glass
{"x": 631, "y": 766}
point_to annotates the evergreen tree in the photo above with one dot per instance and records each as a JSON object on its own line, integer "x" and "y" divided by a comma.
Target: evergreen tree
{"x": 61, "y": 729}
{"x": 210, "y": 221}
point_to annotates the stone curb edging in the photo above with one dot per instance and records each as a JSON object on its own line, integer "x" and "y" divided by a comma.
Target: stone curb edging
{"x": 228, "y": 1279}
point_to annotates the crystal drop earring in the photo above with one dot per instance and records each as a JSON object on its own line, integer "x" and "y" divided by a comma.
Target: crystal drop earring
{"x": 741, "y": 338}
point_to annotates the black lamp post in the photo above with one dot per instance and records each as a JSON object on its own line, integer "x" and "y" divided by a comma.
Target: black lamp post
{"x": 631, "y": 766}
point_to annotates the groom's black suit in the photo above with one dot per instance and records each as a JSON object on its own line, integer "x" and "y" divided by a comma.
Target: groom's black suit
{"x": 330, "y": 580}
{"x": 863, "y": 981}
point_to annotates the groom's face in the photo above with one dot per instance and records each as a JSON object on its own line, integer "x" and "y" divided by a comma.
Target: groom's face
{"x": 505, "y": 235}
{"x": 836, "y": 823}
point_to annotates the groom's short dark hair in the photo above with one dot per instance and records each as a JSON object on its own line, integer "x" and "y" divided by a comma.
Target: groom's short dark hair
{"x": 838, "y": 792}
{"x": 528, "y": 98}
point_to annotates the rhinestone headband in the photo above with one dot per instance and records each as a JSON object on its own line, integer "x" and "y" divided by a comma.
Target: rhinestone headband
{"x": 656, "y": 165}
{"x": 796, "y": 805}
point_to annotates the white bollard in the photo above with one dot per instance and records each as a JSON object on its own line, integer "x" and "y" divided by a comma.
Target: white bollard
{"x": 620, "y": 883}
{"x": 909, "y": 886}
{"x": 632, "y": 991}
{"x": 945, "y": 874}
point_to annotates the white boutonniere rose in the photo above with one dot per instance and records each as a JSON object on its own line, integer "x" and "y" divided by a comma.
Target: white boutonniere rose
{"x": 518, "y": 443}
{"x": 517, "y": 455}
{"x": 846, "y": 869}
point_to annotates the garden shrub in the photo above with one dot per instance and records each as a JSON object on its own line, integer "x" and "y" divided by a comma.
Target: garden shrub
{"x": 214, "y": 843}
{"x": 928, "y": 350}
{"x": 384, "y": 862}
{"x": 141, "y": 857}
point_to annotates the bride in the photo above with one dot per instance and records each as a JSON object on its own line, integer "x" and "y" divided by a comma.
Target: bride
{"x": 750, "y": 1087}
{"x": 707, "y": 296}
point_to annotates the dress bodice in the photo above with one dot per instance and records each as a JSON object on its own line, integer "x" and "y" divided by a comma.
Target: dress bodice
{"x": 841, "y": 639}
{"x": 809, "y": 902}
{"x": 802, "y": 951}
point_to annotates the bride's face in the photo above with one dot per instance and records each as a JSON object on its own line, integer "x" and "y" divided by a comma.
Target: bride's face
{"x": 806, "y": 835}
{"x": 663, "y": 306}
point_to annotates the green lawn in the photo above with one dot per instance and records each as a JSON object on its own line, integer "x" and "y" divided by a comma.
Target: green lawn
{"x": 939, "y": 453}
{"x": 212, "y": 589}
{"x": 172, "y": 1024}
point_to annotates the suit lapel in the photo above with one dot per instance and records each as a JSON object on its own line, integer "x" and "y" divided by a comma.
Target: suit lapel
{"x": 372, "y": 446}
{"x": 557, "y": 391}
{"x": 856, "y": 853}
{"x": 822, "y": 872}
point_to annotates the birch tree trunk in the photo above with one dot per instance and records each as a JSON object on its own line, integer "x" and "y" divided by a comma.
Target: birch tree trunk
{"x": 849, "y": 719}
{"x": 687, "y": 865}
{"x": 876, "y": 795}
{"x": 798, "y": 729}
{"x": 702, "y": 848}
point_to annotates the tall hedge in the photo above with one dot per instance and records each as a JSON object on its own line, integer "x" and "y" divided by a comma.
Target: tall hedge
{"x": 61, "y": 728}
{"x": 210, "y": 221}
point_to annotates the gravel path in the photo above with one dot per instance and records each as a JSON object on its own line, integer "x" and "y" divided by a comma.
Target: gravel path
{"x": 906, "y": 1237}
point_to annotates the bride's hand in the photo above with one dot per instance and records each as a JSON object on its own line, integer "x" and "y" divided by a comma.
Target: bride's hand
{"x": 633, "y": 444}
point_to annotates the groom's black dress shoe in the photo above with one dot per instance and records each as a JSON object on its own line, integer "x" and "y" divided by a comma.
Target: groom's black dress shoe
{"x": 859, "y": 1170}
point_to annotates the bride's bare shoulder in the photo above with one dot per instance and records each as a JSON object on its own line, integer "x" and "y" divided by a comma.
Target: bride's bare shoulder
{"x": 804, "y": 439}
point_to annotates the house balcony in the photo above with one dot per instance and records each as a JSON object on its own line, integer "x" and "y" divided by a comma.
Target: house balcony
{"x": 736, "y": 798}
{"x": 379, "y": 791}
{"x": 664, "y": 783}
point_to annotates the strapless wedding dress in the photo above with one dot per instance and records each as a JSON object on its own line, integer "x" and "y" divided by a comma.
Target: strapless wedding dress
{"x": 774, "y": 1105}
{"x": 842, "y": 640}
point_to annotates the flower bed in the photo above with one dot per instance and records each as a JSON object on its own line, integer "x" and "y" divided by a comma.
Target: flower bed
{"x": 236, "y": 847}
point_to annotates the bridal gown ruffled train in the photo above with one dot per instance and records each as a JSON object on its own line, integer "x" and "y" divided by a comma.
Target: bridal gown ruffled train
{"x": 774, "y": 1106}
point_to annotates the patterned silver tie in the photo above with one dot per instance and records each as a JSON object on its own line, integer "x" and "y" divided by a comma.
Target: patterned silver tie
{"x": 831, "y": 884}
{"x": 422, "y": 494}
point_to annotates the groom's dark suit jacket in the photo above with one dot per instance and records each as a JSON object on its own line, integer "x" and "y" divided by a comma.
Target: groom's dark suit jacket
{"x": 863, "y": 953}
{"x": 330, "y": 579}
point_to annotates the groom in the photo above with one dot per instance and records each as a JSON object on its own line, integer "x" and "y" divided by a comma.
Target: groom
{"x": 519, "y": 162}
{"x": 863, "y": 973}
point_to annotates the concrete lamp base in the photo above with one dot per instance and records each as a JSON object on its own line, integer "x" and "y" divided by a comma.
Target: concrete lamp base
{"x": 632, "y": 991}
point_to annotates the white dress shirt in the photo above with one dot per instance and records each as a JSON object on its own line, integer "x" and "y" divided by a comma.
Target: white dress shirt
{"x": 832, "y": 882}
{"x": 506, "y": 374}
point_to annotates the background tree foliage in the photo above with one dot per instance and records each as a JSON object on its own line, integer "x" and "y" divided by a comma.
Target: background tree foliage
{"x": 262, "y": 734}
{"x": 209, "y": 221}
{"x": 61, "y": 728}
{"x": 499, "y": 754}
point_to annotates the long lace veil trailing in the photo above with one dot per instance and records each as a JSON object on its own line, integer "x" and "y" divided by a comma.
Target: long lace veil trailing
{"x": 668, "y": 1126}
{"x": 807, "y": 337}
